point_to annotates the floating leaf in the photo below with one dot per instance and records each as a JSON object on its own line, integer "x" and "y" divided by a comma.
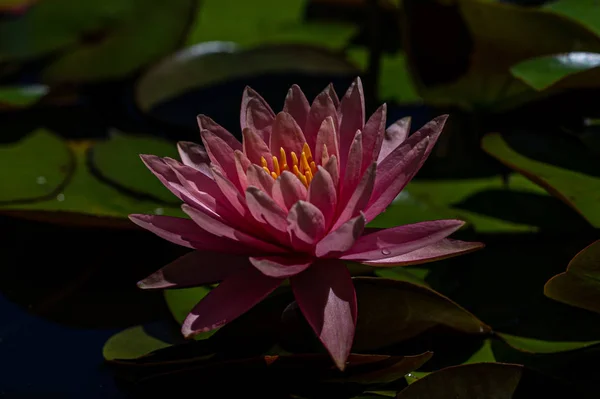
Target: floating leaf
{"x": 534, "y": 345}
{"x": 181, "y": 301}
{"x": 585, "y": 12}
{"x": 580, "y": 284}
{"x": 35, "y": 168}
{"x": 209, "y": 64}
{"x": 118, "y": 161}
{"x": 21, "y": 96}
{"x": 562, "y": 166}
{"x": 568, "y": 70}
{"x": 131, "y": 343}
{"x": 485, "y": 380}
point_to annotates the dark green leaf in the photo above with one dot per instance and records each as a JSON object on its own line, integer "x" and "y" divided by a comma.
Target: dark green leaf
{"x": 534, "y": 345}
{"x": 21, "y": 96}
{"x": 131, "y": 343}
{"x": 209, "y": 64}
{"x": 585, "y": 12}
{"x": 118, "y": 161}
{"x": 580, "y": 284}
{"x": 565, "y": 169}
{"x": 35, "y": 168}
{"x": 568, "y": 70}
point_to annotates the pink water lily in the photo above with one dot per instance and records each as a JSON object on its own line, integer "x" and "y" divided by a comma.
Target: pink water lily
{"x": 292, "y": 201}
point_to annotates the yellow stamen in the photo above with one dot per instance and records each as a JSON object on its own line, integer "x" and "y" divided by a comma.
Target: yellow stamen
{"x": 306, "y": 150}
{"x": 313, "y": 167}
{"x": 274, "y": 175}
{"x": 276, "y": 166}
{"x": 283, "y": 159}
{"x": 309, "y": 176}
{"x": 304, "y": 163}
{"x": 263, "y": 161}
{"x": 267, "y": 170}
{"x": 294, "y": 159}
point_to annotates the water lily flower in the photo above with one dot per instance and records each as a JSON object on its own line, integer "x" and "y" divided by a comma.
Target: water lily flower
{"x": 291, "y": 201}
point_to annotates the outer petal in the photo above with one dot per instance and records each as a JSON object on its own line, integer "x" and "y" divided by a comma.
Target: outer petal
{"x": 332, "y": 166}
{"x": 286, "y": 134}
{"x": 322, "y": 107}
{"x": 221, "y": 154}
{"x": 328, "y": 137}
{"x": 306, "y": 225}
{"x": 232, "y": 298}
{"x": 281, "y": 267}
{"x": 322, "y": 193}
{"x": 230, "y": 191}
{"x": 326, "y": 297}
{"x": 334, "y": 97}
{"x": 220, "y": 229}
{"x": 242, "y": 163}
{"x": 338, "y": 241}
{"x": 205, "y": 123}
{"x": 255, "y": 147}
{"x": 256, "y": 113}
{"x": 167, "y": 177}
{"x": 401, "y": 240}
{"x": 353, "y": 170}
{"x": 359, "y": 199}
{"x": 258, "y": 177}
{"x": 267, "y": 212}
{"x": 297, "y": 105}
{"x": 442, "y": 249}
{"x": 393, "y": 137}
{"x": 288, "y": 190}
{"x": 195, "y": 156}
{"x": 352, "y": 117}
{"x": 195, "y": 268}
{"x": 373, "y": 136}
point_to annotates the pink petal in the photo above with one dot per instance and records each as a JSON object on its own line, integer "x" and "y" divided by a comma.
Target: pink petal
{"x": 342, "y": 239}
{"x": 233, "y": 297}
{"x": 297, "y": 105}
{"x": 255, "y": 147}
{"x": 401, "y": 239}
{"x": 221, "y": 154}
{"x": 353, "y": 170}
{"x": 266, "y": 211}
{"x": 373, "y": 136}
{"x": 306, "y": 225}
{"x": 256, "y": 114}
{"x": 328, "y": 137}
{"x": 230, "y": 192}
{"x": 286, "y": 134}
{"x": 394, "y": 177}
{"x": 360, "y": 197}
{"x": 322, "y": 107}
{"x": 352, "y": 117}
{"x": 326, "y": 297}
{"x": 332, "y": 166}
{"x": 179, "y": 231}
{"x": 334, "y": 97}
{"x": 242, "y": 163}
{"x": 164, "y": 173}
{"x": 281, "y": 267}
{"x": 445, "y": 248}
{"x": 194, "y": 155}
{"x": 259, "y": 178}
{"x": 220, "y": 229}
{"x": 322, "y": 193}
{"x": 195, "y": 268}
{"x": 393, "y": 137}
{"x": 288, "y": 190}
{"x": 205, "y": 123}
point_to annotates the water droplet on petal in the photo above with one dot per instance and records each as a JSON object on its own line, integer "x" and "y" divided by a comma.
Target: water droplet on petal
{"x": 40, "y": 180}
{"x": 60, "y": 197}
{"x": 159, "y": 211}
{"x": 386, "y": 252}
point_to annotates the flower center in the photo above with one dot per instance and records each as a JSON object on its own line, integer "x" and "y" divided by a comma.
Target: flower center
{"x": 303, "y": 167}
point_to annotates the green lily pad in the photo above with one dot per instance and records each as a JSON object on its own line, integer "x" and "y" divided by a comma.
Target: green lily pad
{"x": 181, "y": 301}
{"x": 21, "y": 96}
{"x": 126, "y": 45}
{"x": 568, "y": 70}
{"x": 392, "y": 311}
{"x": 580, "y": 284}
{"x": 35, "y": 168}
{"x": 131, "y": 343}
{"x": 85, "y": 199}
{"x": 566, "y": 170}
{"x": 485, "y": 380}
{"x": 208, "y": 64}
{"x": 584, "y": 12}
{"x": 413, "y": 275}
{"x": 118, "y": 160}
{"x": 534, "y": 345}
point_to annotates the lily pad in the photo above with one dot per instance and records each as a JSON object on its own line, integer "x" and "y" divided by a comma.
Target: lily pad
{"x": 568, "y": 70}
{"x": 565, "y": 168}
{"x": 21, "y": 96}
{"x": 485, "y": 380}
{"x": 131, "y": 343}
{"x": 533, "y": 345}
{"x": 391, "y": 311}
{"x": 118, "y": 161}
{"x": 208, "y": 64}
{"x": 580, "y": 284}
{"x": 35, "y": 168}
{"x": 181, "y": 301}
{"x": 85, "y": 200}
